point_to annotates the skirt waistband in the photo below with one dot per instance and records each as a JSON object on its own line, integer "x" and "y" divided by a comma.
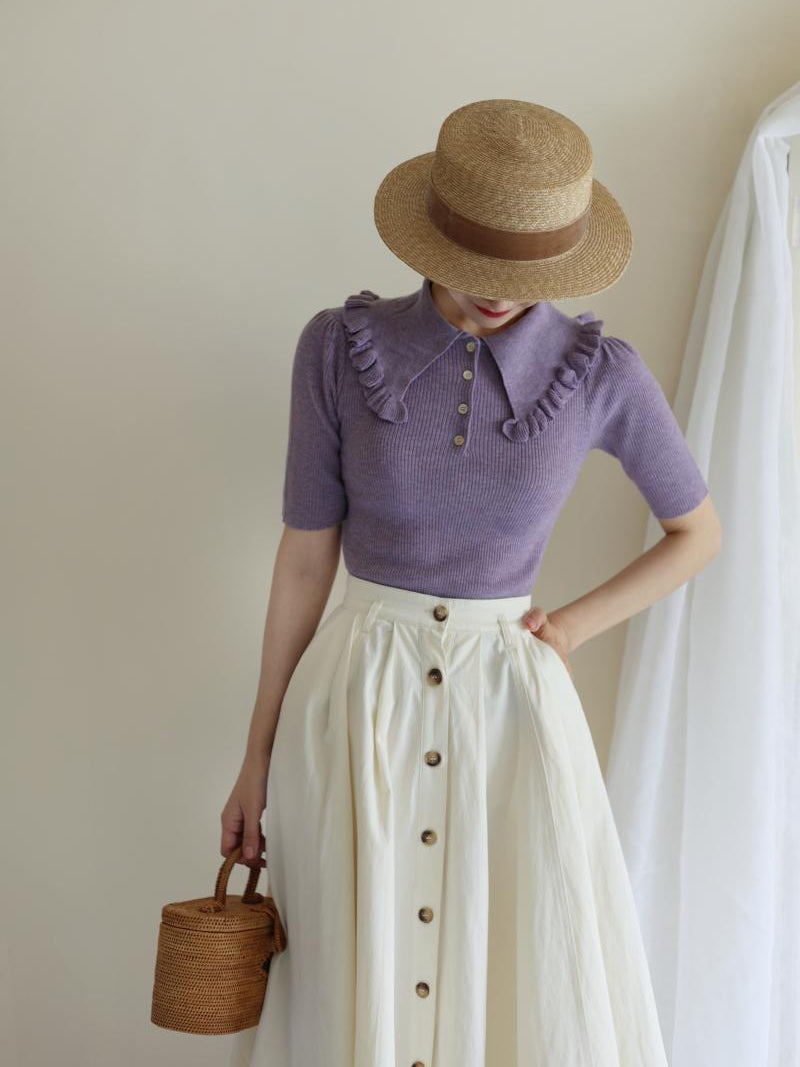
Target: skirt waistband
{"x": 439, "y": 612}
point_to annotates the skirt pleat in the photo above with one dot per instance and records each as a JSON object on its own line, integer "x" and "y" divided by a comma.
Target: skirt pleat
{"x": 443, "y": 854}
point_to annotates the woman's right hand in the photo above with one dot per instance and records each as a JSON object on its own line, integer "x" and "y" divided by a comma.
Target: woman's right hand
{"x": 241, "y": 816}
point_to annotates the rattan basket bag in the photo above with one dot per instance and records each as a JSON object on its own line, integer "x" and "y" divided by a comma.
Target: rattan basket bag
{"x": 213, "y": 958}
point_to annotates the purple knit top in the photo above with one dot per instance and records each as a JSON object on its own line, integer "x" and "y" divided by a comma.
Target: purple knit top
{"x": 447, "y": 457}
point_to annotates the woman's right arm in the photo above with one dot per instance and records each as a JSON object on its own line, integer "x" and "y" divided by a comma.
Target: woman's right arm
{"x": 305, "y": 567}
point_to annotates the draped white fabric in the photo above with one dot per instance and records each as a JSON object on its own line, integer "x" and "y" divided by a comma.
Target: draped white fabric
{"x": 704, "y": 766}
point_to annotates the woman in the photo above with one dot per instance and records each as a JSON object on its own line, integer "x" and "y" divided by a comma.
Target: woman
{"x": 441, "y": 847}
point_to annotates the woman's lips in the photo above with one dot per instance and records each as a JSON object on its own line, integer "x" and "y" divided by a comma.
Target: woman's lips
{"x": 492, "y": 314}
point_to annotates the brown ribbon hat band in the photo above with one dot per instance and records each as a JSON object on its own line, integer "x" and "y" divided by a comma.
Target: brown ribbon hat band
{"x": 504, "y": 244}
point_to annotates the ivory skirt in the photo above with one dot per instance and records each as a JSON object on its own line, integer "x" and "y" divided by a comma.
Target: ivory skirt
{"x": 442, "y": 852}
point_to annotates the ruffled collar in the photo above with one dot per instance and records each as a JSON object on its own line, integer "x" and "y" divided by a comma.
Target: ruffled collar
{"x": 542, "y": 356}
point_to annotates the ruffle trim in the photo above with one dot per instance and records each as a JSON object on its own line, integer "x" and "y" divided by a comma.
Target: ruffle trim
{"x": 566, "y": 381}
{"x": 366, "y": 360}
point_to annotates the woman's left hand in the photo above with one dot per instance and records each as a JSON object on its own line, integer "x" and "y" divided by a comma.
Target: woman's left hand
{"x": 548, "y": 629}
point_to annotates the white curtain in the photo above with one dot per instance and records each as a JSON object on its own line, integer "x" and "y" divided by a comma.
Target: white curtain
{"x": 704, "y": 764}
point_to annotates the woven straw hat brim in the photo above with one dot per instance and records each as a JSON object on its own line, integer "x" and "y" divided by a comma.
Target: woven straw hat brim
{"x": 594, "y": 264}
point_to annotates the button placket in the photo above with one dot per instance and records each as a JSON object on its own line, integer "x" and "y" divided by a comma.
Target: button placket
{"x": 430, "y": 838}
{"x": 461, "y": 437}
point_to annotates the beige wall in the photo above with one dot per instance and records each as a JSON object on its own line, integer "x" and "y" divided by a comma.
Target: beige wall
{"x": 183, "y": 184}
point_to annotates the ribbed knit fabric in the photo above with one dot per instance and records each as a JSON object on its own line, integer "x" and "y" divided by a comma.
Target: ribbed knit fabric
{"x": 375, "y": 424}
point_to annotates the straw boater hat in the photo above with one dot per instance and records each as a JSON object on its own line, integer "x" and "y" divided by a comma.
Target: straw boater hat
{"x": 506, "y": 207}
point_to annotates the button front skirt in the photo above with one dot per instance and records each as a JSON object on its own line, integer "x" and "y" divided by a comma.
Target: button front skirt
{"x": 442, "y": 852}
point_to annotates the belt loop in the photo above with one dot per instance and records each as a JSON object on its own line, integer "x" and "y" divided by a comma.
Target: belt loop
{"x": 369, "y": 618}
{"x": 505, "y": 627}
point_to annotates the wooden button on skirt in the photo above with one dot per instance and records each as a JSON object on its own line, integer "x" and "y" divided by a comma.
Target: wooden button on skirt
{"x": 442, "y": 852}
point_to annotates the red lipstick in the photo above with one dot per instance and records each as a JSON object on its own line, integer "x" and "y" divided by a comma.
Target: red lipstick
{"x": 492, "y": 314}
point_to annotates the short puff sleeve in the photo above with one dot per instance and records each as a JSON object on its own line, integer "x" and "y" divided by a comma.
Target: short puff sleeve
{"x": 631, "y": 419}
{"x": 313, "y": 491}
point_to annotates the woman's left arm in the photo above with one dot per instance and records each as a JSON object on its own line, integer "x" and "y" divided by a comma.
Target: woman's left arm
{"x": 689, "y": 543}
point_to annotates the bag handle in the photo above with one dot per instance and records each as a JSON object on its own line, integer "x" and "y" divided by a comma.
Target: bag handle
{"x": 250, "y": 896}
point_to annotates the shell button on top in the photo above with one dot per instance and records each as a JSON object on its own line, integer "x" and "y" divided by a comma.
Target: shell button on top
{"x": 428, "y": 837}
{"x": 471, "y": 346}
{"x": 433, "y": 758}
{"x": 435, "y": 675}
{"x": 425, "y": 914}
{"x": 440, "y": 612}
{"x": 423, "y": 989}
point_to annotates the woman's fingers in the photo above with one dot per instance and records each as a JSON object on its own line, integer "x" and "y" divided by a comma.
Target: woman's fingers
{"x": 253, "y": 839}
{"x": 535, "y": 618}
{"x": 232, "y": 820}
{"x": 241, "y": 816}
